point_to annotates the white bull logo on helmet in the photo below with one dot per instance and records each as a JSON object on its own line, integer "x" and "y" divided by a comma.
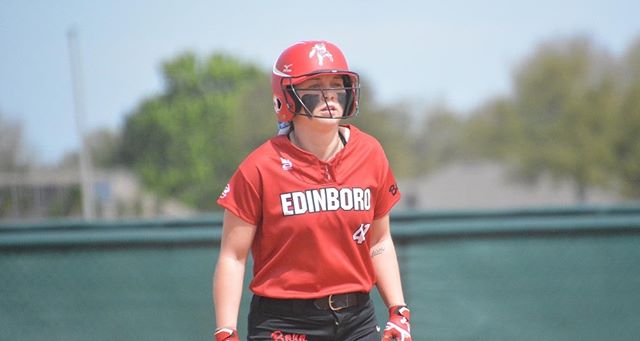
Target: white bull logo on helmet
{"x": 321, "y": 52}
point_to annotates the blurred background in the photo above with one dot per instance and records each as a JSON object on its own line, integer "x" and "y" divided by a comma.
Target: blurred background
{"x": 513, "y": 129}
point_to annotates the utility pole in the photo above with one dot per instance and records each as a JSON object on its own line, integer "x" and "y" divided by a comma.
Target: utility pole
{"x": 86, "y": 172}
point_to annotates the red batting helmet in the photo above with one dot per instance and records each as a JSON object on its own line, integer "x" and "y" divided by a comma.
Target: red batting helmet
{"x": 305, "y": 60}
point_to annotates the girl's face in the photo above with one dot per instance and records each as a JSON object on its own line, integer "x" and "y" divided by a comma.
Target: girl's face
{"x": 323, "y": 96}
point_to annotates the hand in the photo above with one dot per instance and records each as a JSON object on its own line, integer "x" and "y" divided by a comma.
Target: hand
{"x": 398, "y": 327}
{"x": 226, "y": 334}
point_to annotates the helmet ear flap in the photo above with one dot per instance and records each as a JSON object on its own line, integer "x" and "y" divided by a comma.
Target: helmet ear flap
{"x": 277, "y": 104}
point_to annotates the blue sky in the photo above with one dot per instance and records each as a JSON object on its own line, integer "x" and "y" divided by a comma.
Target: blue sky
{"x": 421, "y": 52}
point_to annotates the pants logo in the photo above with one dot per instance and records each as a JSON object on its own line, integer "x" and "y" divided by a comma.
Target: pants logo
{"x": 280, "y": 336}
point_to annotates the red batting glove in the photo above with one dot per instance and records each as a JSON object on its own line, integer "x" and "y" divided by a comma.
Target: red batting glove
{"x": 226, "y": 334}
{"x": 398, "y": 327}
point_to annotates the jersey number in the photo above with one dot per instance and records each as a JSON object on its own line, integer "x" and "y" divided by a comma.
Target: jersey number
{"x": 359, "y": 235}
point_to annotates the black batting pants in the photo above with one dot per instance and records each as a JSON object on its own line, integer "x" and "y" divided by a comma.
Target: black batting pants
{"x": 306, "y": 320}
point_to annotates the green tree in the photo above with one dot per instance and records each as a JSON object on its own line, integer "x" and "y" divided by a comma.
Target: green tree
{"x": 627, "y": 137}
{"x": 186, "y": 142}
{"x": 391, "y": 126}
{"x": 493, "y": 132}
{"x": 439, "y": 140}
{"x": 565, "y": 103}
{"x": 104, "y": 145}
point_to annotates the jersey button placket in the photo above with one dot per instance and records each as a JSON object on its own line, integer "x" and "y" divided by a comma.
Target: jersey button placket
{"x": 327, "y": 173}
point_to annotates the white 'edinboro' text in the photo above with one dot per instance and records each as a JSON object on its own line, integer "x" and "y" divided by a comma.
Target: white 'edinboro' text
{"x": 325, "y": 199}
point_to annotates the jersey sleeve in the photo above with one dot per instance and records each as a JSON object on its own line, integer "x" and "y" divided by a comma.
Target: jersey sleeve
{"x": 388, "y": 193}
{"x": 242, "y": 196}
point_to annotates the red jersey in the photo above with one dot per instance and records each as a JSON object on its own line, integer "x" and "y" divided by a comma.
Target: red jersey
{"x": 312, "y": 216}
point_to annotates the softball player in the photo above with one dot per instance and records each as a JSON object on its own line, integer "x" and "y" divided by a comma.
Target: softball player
{"x": 312, "y": 204}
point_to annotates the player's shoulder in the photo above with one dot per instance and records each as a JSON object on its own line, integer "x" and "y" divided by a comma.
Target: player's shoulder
{"x": 264, "y": 153}
{"x": 363, "y": 139}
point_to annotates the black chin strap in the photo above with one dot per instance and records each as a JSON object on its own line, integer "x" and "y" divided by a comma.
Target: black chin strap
{"x": 344, "y": 141}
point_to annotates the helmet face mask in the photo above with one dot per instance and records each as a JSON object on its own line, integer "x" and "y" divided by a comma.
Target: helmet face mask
{"x": 303, "y": 101}
{"x": 309, "y": 60}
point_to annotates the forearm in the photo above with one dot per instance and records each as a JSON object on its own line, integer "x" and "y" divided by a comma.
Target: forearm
{"x": 385, "y": 263}
{"x": 227, "y": 291}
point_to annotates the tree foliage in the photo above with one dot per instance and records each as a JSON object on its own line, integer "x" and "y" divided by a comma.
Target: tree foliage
{"x": 564, "y": 97}
{"x": 390, "y": 125}
{"x": 439, "y": 139}
{"x": 186, "y": 142}
{"x": 494, "y": 132}
{"x": 627, "y": 126}
{"x": 574, "y": 114}
{"x": 104, "y": 147}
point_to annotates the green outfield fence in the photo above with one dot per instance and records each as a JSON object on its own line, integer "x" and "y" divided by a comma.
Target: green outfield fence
{"x": 570, "y": 273}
